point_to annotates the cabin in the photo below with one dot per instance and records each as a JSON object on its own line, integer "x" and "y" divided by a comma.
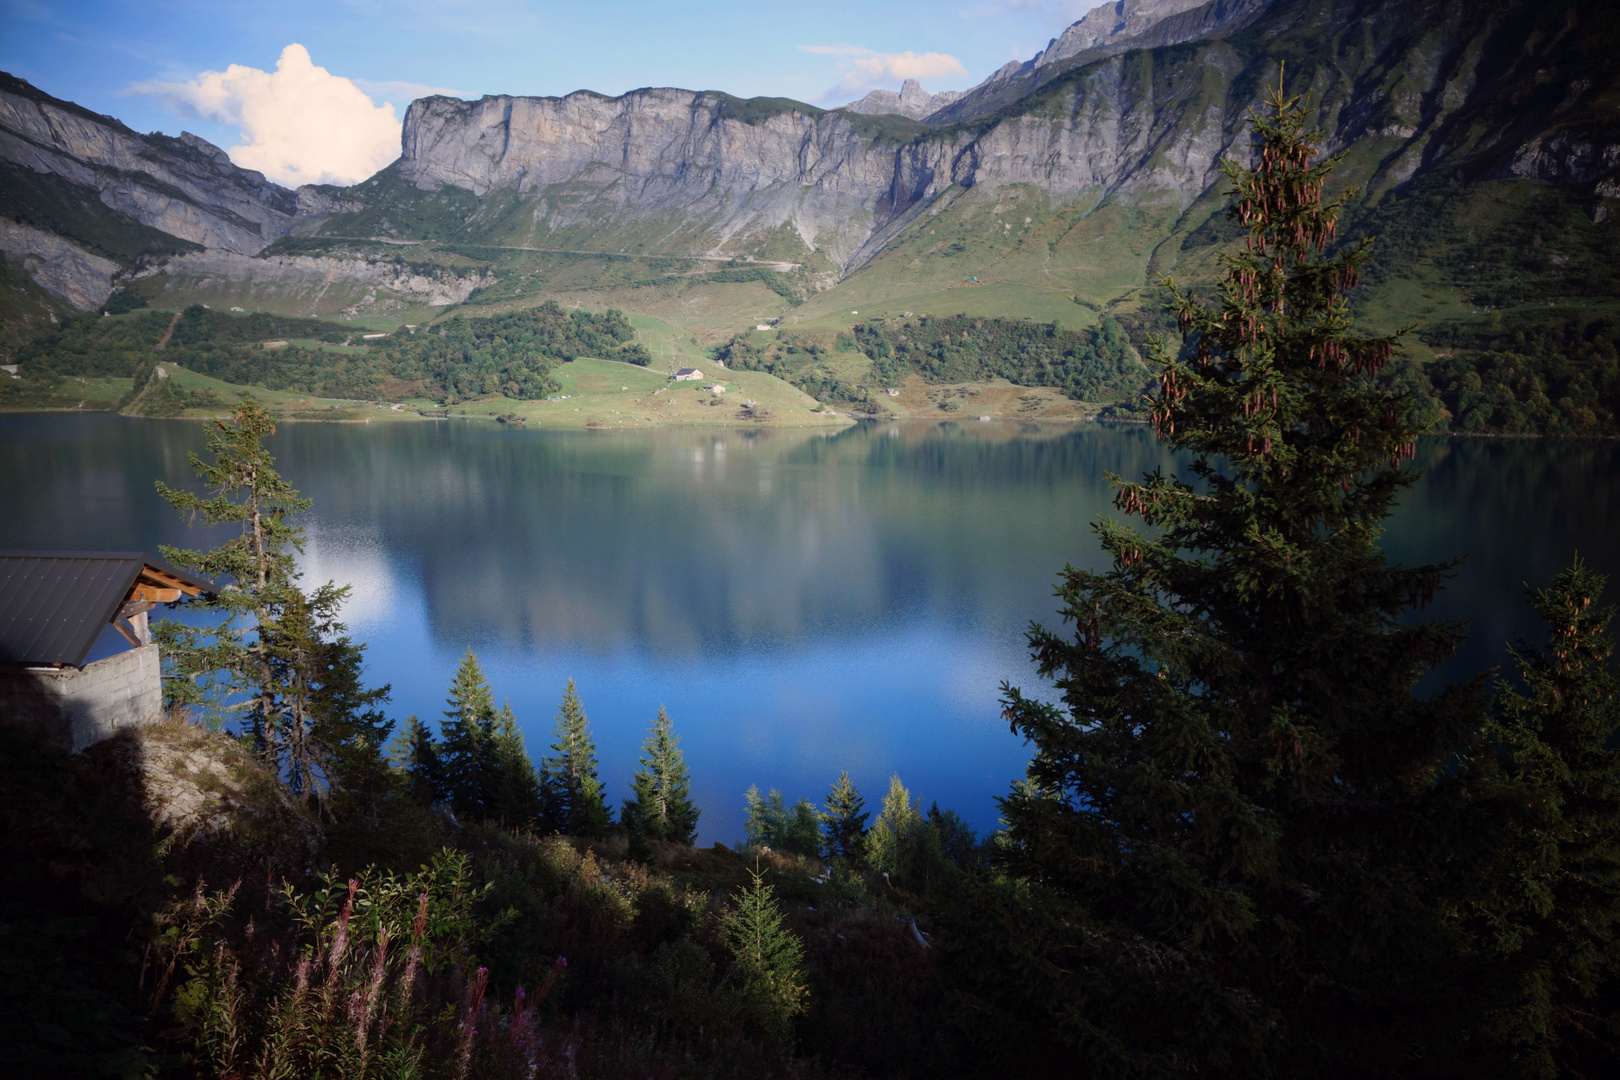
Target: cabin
{"x": 716, "y": 388}
{"x": 58, "y": 609}
{"x": 688, "y": 374}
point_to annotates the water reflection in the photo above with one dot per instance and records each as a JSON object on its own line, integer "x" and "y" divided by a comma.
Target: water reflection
{"x": 802, "y": 602}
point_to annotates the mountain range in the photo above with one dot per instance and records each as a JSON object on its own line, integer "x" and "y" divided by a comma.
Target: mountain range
{"x": 1059, "y": 188}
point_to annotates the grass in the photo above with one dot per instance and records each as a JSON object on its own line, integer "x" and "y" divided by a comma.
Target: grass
{"x": 609, "y": 395}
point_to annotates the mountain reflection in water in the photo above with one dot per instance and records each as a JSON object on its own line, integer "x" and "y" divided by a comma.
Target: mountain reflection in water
{"x": 803, "y": 603}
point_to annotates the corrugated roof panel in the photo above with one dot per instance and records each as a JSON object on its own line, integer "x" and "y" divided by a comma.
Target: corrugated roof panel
{"x": 53, "y": 605}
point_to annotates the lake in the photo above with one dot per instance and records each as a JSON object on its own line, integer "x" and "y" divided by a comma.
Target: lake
{"x": 802, "y": 603}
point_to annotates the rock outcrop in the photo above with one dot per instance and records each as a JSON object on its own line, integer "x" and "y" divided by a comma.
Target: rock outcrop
{"x": 59, "y": 266}
{"x": 185, "y": 187}
{"x": 312, "y": 275}
{"x": 912, "y": 101}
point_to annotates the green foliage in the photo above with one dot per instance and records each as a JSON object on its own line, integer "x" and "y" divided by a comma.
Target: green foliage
{"x": 415, "y": 753}
{"x": 512, "y": 353}
{"x": 123, "y": 302}
{"x": 1530, "y": 374}
{"x": 1545, "y": 901}
{"x": 468, "y": 733}
{"x": 770, "y": 823}
{"x": 1087, "y": 365}
{"x": 845, "y": 818}
{"x": 515, "y": 793}
{"x": 1238, "y": 810}
{"x": 571, "y": 790}
{"x": 767, "y": 959}
{"x": 661, "y": 805}
{"x": 895, "y": 832}
{"x": 460, "y": 358}
{"x": 359, "y": 980}
{"x": 277, "y": 656}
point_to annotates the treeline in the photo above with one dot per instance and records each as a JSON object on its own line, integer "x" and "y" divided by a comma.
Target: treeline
{"x": 1528, "y": 374}
{"x": 478, "y": 766}
{"x": 461, "y": 358}
{"x": 1087, "y": 365}
{"x": 512, "y": 353}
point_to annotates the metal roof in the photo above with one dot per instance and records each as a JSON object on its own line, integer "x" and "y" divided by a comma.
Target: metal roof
{"x": 54, "y": 604}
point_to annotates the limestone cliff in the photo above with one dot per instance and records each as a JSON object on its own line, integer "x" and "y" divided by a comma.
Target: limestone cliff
{"x": 1127, "y": 118}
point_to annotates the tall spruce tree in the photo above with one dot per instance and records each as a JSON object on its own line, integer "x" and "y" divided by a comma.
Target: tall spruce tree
{"x": 660, "y": 806}
{"x": 1548, "y": 910}
{"x": 516, "y": 786}
{"x": 415, "y": 753}
{"x": 278, "y": 657}
{"x": 571, "y": 791}
{"x": 1235, "y": 818}
{"x": 845, "y": 818}
{"x": 468, "y": 749}
{"x": 895, "y": 832}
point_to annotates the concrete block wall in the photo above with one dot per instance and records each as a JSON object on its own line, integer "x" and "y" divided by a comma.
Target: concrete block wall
{"x": 75, "y": 708}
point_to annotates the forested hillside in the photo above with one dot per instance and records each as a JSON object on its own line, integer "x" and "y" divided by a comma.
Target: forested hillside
{"x": 463, "y": 357}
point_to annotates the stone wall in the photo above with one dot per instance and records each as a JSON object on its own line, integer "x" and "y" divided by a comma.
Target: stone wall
{"x": 75, "y": 708}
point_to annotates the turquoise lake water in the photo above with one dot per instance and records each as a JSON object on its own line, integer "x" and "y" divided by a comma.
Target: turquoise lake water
{"x": 802, "y": 603}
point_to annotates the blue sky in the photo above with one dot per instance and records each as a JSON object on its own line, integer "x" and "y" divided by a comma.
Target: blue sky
{"x": 117, "y": 57}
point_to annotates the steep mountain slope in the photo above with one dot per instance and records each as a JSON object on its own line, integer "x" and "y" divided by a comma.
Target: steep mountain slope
{"x": 1056, "y": 190}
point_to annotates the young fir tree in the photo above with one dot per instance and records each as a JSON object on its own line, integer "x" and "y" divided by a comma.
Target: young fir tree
{"x": 803, "y": 833}
{"x": 467, "y": 746}
{"x": 845, "y": 818}
{"x": 516, "y": 784}
{"x": 895, "y": 833}
{"x": 1237, "y": 815}
{"x": 767, "y": 959}
{"x": 765, "y": 820}
{"x": 1549, "y": 925}
{"x": 571, "y": 792}
{"x": 661, "y": 804}
{"x": 415, "y": 753}
{"x": 277, "y": 656}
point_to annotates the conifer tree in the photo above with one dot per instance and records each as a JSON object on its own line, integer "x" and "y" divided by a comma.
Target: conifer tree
{"x": 278, "y": 657}
{"x": 895, "y": 832}
{"x": 571, "y": 791}
{"x": 415, "y": 752}
{"x": 1237, "y": 813}
{"x": 517, "y": 785}
{"x": 845, "y": 818}
{"x": 765, "y": 820}
{"x": 1549, "y": 912}
{"x": 661, "y": 804}
{"x": 802, "y": 836}
{"x": 468, "y": 740}
{"x": 767, "y": 959}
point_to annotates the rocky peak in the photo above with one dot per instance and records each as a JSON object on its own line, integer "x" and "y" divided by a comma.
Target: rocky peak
{"x": 912, "y": 101}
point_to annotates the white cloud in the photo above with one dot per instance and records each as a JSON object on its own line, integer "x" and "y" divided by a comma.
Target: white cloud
{"x": 863, "y": 69}
{"x": 300, "y": 124}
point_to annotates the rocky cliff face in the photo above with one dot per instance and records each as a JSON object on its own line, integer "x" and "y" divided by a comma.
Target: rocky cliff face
{"x": 1127, "y": 124}
{"x": 1512, "y": 90}
{"x": 185, "y": 187}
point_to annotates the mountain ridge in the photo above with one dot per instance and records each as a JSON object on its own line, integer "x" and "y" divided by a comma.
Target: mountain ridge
{"x": 1504, "y": 91}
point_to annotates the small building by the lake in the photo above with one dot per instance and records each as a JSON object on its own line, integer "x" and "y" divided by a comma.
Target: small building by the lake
{"x": 77, "y": 660}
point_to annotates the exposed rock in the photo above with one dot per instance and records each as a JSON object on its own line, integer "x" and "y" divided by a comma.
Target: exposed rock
{"x": 59, "y": 266}
{"x": 912, "y": 101}
{"x": 211, "y": 802}
{"x": 1107, "y": 30}
{"x": 439, "y": 287}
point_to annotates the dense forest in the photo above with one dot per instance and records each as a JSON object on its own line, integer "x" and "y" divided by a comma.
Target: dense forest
{"x": 459, "y": 358}
{"x": 1088, "y": 365}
